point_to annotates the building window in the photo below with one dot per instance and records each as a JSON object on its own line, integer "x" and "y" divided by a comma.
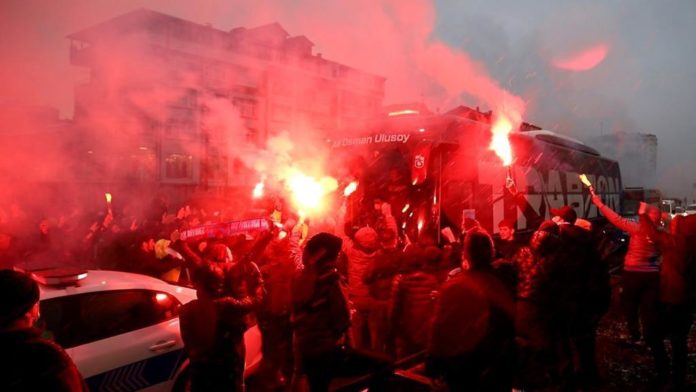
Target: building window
{"x": 178, "y": 166}
{"x": 189, "y": 99}
{"x": 282, "y": 89}
{"x": 217, "y": 168}
{"x": 246, "y": 107}
{"x": 215, "y": 75}
{"x": 181, "y": 121}
{"x": 252, "y": 136}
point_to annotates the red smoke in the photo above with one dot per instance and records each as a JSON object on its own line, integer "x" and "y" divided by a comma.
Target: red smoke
{"x": 390, "y": 38}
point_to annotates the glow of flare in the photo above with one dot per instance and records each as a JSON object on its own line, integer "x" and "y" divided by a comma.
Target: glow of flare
{"x": 308, "y": 192}
{"x": 420, "y": 225}
{"x": 258, "y": 191}
{"x": 587, "y": 183}
{"x": 350, "y": 188}
{"x": 108, "y": 198}
{"x": 500, "y": 143}
{"x": 406, "y": 207}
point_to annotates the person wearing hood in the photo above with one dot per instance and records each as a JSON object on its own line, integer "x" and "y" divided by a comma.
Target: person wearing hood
{"x": 379, "y": 277}
{"x": 535, "y": 304}
{"x": 215, "y": 350}
{"x": 361, "y": 254}
{"x": 471, "y": 345}
{"x": 677, "y": 291}
{"x": 239, "y": 289}
{"x": 29, "y": 362}
{"x": 320, "y": 313}
{"x": 274, "y": 311}
{"x": 584, "y": 293}
{"x": 411, "y": 302}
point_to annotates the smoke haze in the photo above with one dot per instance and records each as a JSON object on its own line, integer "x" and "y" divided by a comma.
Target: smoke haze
{"x": 580, "y": 70}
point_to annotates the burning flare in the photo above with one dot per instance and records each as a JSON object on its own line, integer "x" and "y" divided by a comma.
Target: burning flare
{"x": 108, "y": 198}
{"x": 500, "y": 143}
{"x": 350, "y": 188}
{"x": 308, "y": 192}
{"x": 258, "y": 190}
{"x": 587, "y": 182}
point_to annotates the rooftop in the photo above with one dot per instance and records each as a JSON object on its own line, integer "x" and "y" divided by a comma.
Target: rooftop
{"x": 270, "y": 36}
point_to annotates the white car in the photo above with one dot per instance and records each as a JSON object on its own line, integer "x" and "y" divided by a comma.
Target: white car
{"x": 122, "y": 329}
{"x": 690, "y": 209}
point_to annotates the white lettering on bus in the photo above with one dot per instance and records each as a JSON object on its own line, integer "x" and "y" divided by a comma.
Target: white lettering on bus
{"x": 377, "y": 138}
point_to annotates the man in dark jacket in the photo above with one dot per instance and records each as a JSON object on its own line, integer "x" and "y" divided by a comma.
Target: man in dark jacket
{"x": 536, "y": 329}
{"x": 471, "y": 342}
{"x": 411, "y": 305}
{"x": 506, "y": 247}
{"x": 214, "y": 352}
{"x": 582, "y": 297}
{"x": 361, "y": 255}
{"x": 320, "y": 313}
{"x": 676, "y": 289}
{"x": 274, "y": 313}
{"x": 240, "y": 290}
{"x": 379, "y": 277}
{"x": 29, "y": 362}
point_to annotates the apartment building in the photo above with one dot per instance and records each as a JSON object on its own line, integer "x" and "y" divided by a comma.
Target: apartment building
{"x": 177, "y": 103}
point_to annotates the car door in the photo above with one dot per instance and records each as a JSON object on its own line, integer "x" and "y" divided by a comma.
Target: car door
{"x": 122, "y": 340}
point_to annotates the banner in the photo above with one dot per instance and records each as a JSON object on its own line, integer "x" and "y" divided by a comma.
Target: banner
{"x": 225, "y": 229}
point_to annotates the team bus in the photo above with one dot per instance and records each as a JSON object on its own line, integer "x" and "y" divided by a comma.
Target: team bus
{"x": 435, "y": 170}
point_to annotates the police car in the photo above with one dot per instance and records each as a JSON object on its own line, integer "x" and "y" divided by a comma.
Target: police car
{"x": 122, "y": 329}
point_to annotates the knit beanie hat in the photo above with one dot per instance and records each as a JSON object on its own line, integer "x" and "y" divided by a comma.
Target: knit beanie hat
{"x": 367, "y": 238}
{"x": 19, "y": 293}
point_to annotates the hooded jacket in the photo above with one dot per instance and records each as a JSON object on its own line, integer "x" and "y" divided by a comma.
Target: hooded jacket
{"x": 411, "y": 305}
{"x": 320, "y": 314}
{"x": 678, "y": 250}
{"x": 30, "y": 363}
{"x": 472, "y": 338}
{"x": 361, "y": 255}
{"x": 535, "y": 266}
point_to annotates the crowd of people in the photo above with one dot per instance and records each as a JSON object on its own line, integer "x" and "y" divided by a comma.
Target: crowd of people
{"x": 484, "y": 313}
